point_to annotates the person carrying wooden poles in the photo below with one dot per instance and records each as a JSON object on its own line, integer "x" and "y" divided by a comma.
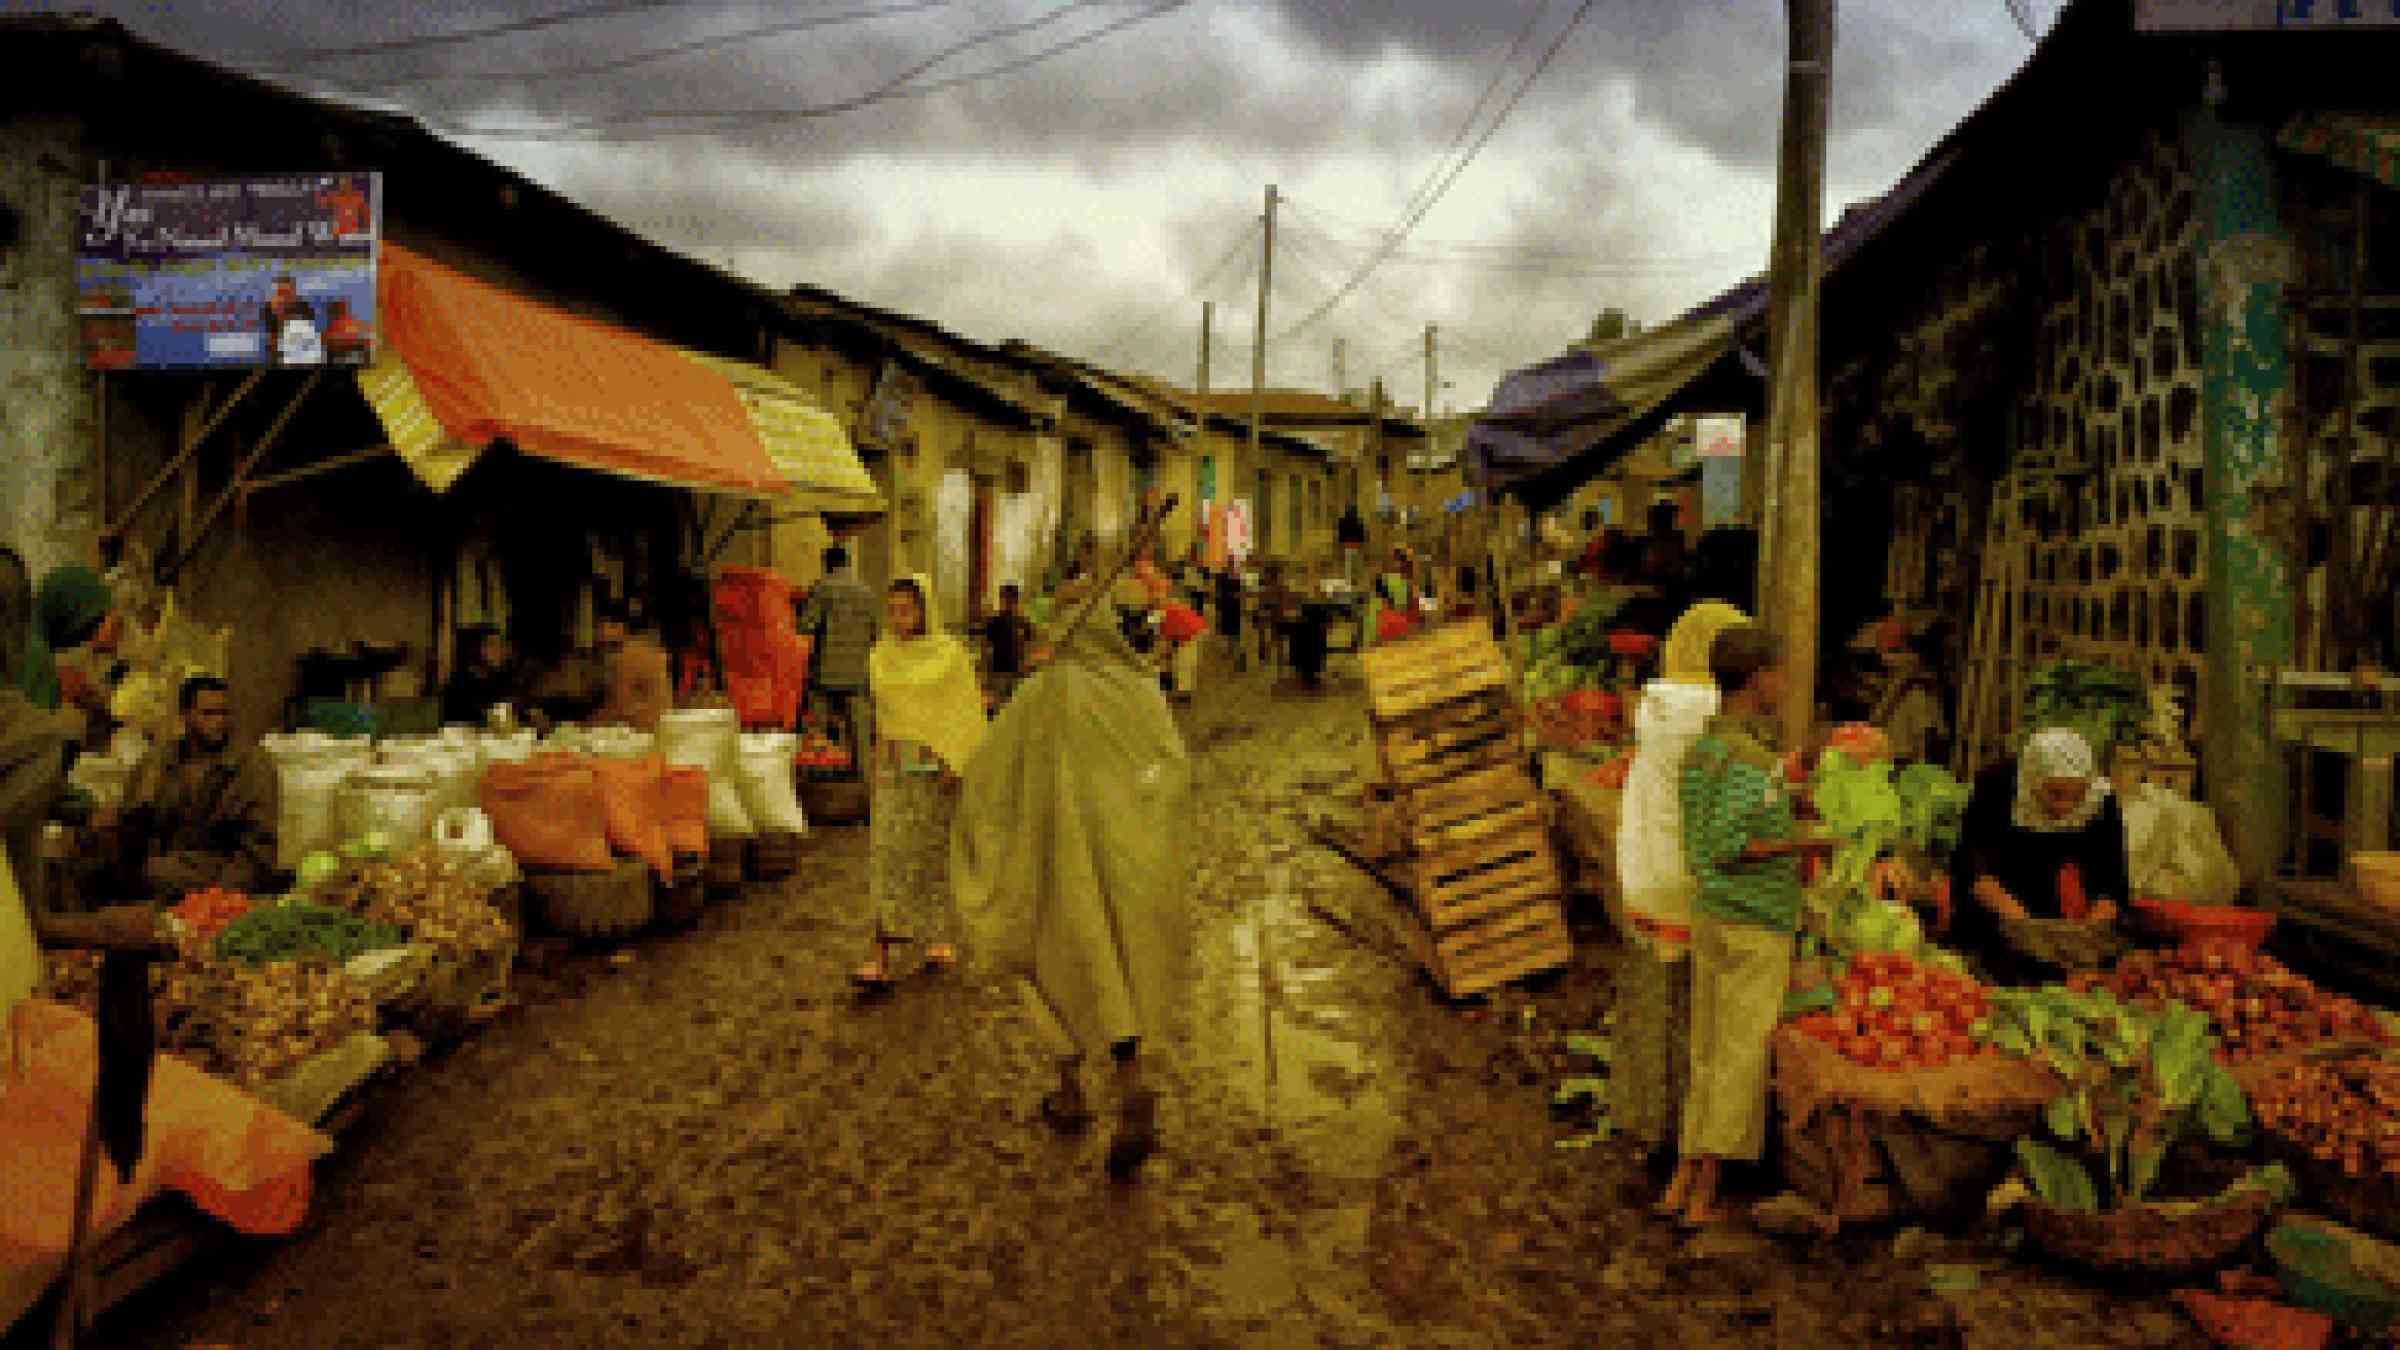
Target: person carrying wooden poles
{"x": 1068, "y": 858}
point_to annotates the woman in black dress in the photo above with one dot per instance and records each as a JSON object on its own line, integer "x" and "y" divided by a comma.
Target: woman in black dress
{"x": 2044, "y": 839}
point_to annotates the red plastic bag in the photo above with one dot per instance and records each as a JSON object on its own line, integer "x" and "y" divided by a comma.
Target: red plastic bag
{"x": 1180, "y": 623}
{"x": 633, "y": 796}
{"x": 755, "y": 598}
{"x": 549, "y": 812}
{"x": 1393, "y": 624}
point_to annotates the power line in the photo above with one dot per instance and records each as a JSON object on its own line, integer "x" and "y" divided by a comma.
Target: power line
{"x": 654, "y": 55}
{"x": 895, "y": 88}
{"x": 1400, "y": 231}
{"x": 309, "y": 56}
{"x": 1197, "y": 290}
{"x": 1533, "y": 20}
{"x": 1467, "y": 253}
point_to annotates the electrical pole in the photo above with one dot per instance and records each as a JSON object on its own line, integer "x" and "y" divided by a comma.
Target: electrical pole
{"x": 1258, "y": 363}
{"x": 1208, "y": 321}
{"x": 1429, "y": 385}
{"x": 1788, "y": 558}
{"x": 1341, "y": 375}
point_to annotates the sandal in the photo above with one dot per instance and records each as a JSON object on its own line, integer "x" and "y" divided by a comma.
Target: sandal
{"x": 940, "y": 956}
{"x": 875, "y": 977}
{"x": 1137, "y": 1136}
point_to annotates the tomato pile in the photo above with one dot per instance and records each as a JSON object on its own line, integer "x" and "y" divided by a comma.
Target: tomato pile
{"x": 2345, "y": 1112}
{"x": 1892, "y": 1012}
{"x": 2261, "y": 1006}
{"x": 206, "y": 913}
{"x": 817, "y": 751}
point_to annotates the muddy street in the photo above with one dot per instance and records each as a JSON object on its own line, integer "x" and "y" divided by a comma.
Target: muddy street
{"x": 700, "y": 1141}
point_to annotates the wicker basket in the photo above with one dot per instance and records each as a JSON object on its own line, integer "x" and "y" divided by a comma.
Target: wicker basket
{"x": 835, "y": 801}
{"x": 727, "y": 858}
{"x": 2151, "y": 1240}
{"x": 773, "y": 856}
{"x": 594, "y": 904}
{"x": 683, "y": 896}
{"x": 2063, "y": 944}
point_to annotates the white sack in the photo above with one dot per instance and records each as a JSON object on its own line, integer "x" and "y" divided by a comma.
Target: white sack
{"x": 765, "y": 779}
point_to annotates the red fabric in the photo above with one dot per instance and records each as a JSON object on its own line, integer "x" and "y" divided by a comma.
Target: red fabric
{"x": 753, "y": 597}
{"x": 2072, "y": 902}
{"x": 1180, "y": 623}
{"x": 1393, "y": 624}
{"x": 492, "y": 364}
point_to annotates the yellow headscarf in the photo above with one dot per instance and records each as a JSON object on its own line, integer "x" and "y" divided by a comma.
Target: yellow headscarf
{"x": 925, "y": 689}
{"x": 1685, "y": 660}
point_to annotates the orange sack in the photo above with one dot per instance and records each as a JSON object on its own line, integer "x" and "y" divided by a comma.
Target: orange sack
{"x": 685, "y": 800}
{"x": 634, "y": 800}
{"x": 549, "y": 811}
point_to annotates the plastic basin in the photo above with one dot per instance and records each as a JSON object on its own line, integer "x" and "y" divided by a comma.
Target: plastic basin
{"x": 2233, "y": 925}
{"x": 2314, "y": 1262}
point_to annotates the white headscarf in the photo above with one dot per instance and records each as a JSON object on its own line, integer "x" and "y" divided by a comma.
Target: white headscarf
{"x": 2058, "y": 753}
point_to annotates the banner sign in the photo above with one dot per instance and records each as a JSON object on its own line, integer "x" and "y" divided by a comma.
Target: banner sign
{"x": 2236, "y": 16}
{"x": 229, "y": 272}
{"x": 1719, "y": 435}
{"x": 1237, "y": 527}
{"x": 1720, "y": 492}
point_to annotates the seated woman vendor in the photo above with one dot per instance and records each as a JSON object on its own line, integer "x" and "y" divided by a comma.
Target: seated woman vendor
{"x": 2044, "y": 839}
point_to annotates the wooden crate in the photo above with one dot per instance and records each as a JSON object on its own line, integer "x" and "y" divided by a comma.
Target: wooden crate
{"x": 1479, "y": 731}
{"x": 1419, "y": 673}
{"x": 1384, "y": 823}
{"x": 1484, "y": 876}
{"x": 1442, "y": 817}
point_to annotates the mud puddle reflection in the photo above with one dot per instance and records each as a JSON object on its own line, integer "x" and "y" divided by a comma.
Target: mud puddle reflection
{"x": 1290, "y": 1050}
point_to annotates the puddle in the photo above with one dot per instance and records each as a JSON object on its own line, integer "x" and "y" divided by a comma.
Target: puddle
{"x": 1293, "y": 1048}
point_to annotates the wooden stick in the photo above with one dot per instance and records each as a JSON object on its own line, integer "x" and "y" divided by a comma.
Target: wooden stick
{"x": 1145, "y": 531}
{"x": 74, "y": 1295}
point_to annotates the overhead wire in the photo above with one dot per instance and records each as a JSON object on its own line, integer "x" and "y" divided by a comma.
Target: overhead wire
{"x": 1400, "y": 231}
{"x": 653, "y": 55}
{"x": 720, "y": 121}
{"x": 293, "y": 59}
{"x": 1198, "y": 289}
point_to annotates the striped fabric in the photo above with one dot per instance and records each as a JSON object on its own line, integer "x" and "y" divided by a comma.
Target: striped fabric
{"x": 1730, "y": 796}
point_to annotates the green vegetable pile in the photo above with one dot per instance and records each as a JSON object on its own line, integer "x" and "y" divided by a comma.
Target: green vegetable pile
{"x": 2136, "y": 1081}
{"x": 2105, "y": 705}
{"x": 1572, "y": 655}
{"x": 1874, "y": 811}
{"x": 298, "y": 929}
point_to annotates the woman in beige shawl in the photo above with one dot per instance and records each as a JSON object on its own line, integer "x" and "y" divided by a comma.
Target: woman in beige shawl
{"x": 1069, "y": 863}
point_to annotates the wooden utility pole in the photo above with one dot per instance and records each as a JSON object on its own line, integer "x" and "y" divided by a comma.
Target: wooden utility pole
{"x": 1788, "y": 580}
{"x": 1208, "y": 323}
{"x": 1258, "y": 357}
{"x": 1430, "y": 386}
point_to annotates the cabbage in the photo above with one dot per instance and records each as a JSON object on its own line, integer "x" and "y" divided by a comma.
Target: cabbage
{"x": 318, "y": 868}
{"x": 373, "y": 846}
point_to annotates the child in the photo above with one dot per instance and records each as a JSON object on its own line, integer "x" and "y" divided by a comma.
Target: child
{"x": 1739, "y": 844}
{"x": 1007, "y": 636}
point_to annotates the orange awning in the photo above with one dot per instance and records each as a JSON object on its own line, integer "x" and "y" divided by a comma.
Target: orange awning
{"x": 489, "y": 364}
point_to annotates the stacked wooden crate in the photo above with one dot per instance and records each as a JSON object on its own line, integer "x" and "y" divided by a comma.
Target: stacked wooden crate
{"x": 1463, "y": 828}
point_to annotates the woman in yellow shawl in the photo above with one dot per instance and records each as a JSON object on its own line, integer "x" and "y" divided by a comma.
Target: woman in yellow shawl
{"x": 1648, "y": 1081}
{"x": 928, "y": 721}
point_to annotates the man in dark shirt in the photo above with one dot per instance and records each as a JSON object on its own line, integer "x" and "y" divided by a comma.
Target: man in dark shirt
{"x": 1007, "y": 636}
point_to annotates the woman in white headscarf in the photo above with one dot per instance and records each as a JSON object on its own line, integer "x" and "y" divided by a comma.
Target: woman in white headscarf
{"x": 2044, "y": 839}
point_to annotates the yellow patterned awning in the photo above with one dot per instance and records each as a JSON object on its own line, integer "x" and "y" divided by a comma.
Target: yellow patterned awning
{"x": 433, "y": 454}
{"x": 806, "y": 443}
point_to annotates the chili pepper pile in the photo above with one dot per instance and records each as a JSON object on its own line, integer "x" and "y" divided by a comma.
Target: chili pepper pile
{"x": 2261, "y": 1006}
{"x": 1893, "y": 1012}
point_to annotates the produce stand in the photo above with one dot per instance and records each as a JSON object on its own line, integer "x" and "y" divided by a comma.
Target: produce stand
{"x": 2324, "y": 924}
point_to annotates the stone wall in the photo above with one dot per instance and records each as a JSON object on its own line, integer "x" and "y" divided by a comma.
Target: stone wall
{"x": 47, "y": 499}
{"x": 2067, "y": 358}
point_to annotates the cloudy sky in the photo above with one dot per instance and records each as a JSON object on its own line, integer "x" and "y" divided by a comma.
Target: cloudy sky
{"x": 1083, "y": 173}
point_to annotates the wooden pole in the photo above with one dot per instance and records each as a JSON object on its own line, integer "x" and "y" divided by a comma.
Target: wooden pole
{"x": 1208, "y": 322}
{"x": 1790, "y": 592}
{"x": 1258, "y": 371}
